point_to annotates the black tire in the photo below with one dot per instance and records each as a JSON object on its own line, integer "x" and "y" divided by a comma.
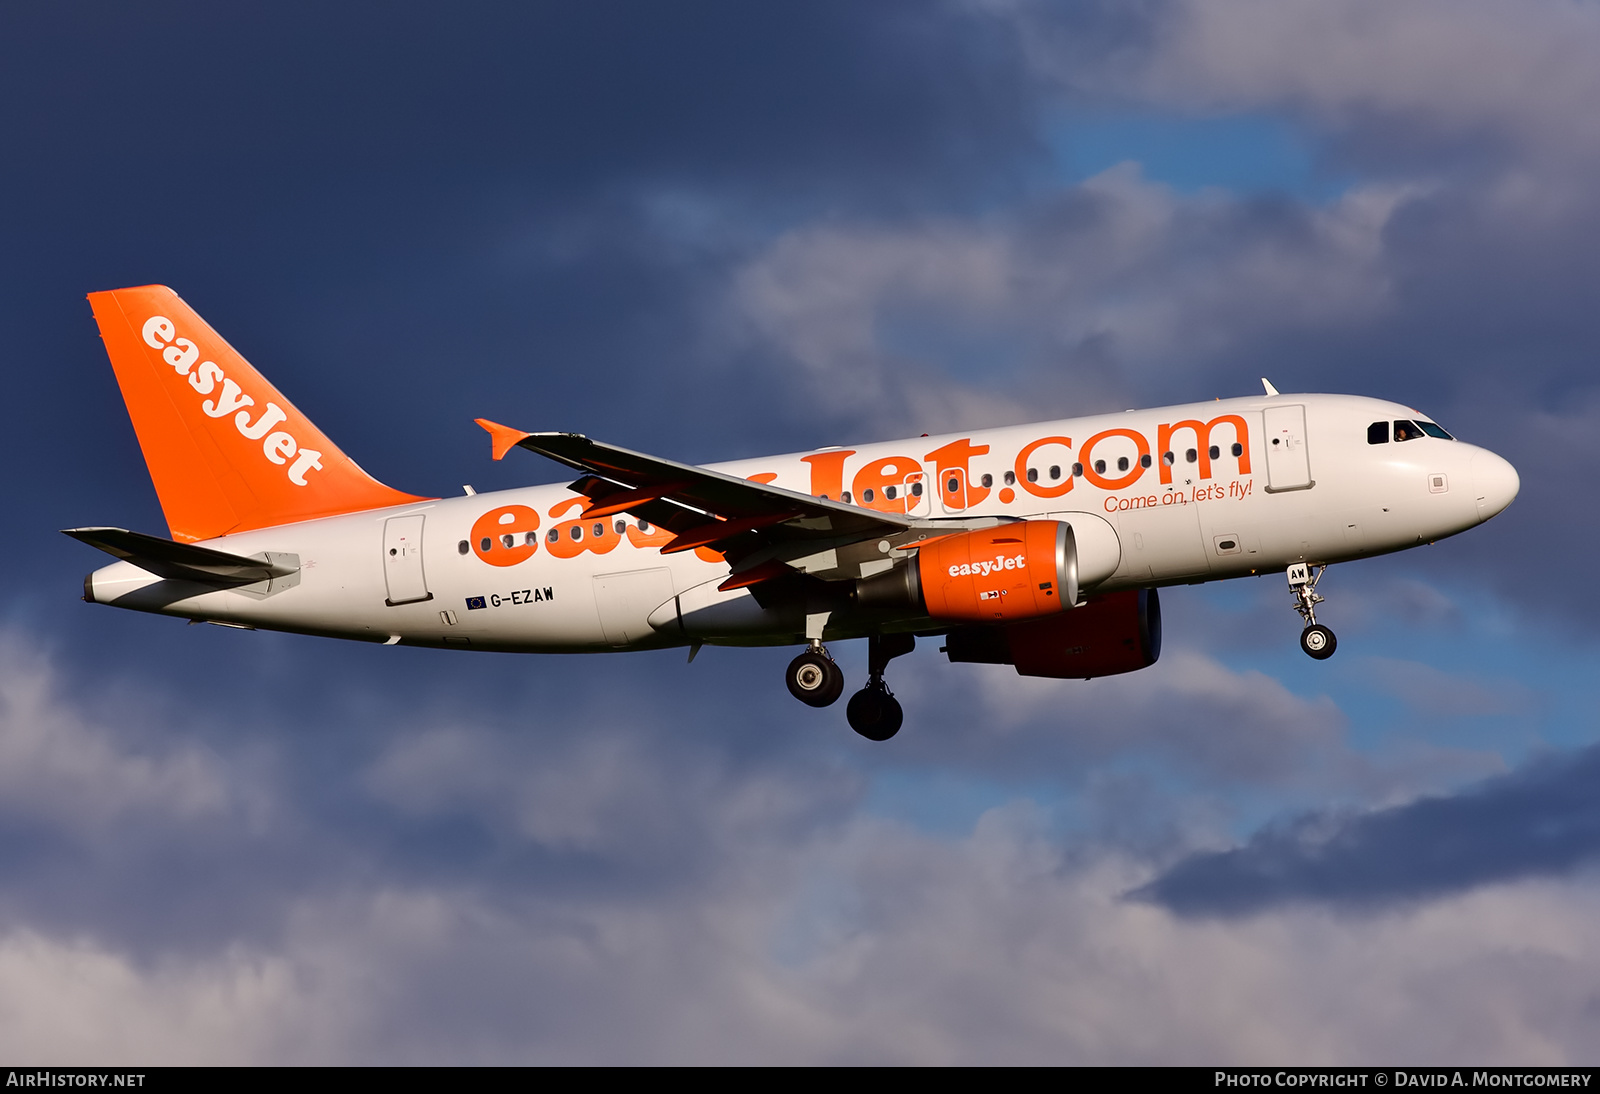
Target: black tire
{"x": 875, "y": 714}
{"x": 814, "y": 679}
{"x": 1318, "y": 641}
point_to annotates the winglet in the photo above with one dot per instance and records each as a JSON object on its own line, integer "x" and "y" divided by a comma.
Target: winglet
{"x": 503, "y": 437}
{"x": 1264, "y": 383}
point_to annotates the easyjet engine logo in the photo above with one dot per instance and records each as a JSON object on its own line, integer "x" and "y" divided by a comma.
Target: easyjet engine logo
{"x": 277, "y": 445}
{"x": 989, "y": 566}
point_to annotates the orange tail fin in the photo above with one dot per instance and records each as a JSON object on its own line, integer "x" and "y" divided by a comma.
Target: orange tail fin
{"x": 227, "y": 452}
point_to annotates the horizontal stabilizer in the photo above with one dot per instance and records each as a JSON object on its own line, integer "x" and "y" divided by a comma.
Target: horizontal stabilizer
{"x": 179, "y": 561}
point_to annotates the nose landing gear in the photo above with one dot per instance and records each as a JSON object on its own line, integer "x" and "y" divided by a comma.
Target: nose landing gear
{"x": 1318, "y": 641}
{"x": 874, "y": 712}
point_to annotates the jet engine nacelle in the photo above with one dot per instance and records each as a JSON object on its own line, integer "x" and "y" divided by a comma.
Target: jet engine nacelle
{"x": 993, "y": 575}
{"x": 1114, "y": 634}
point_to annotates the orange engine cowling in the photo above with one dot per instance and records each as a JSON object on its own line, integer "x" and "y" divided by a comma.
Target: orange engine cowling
{"x": 1114, "y": 634}
{"x": 995, "y": 575}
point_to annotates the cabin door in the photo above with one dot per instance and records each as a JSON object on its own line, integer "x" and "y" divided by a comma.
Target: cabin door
{"x": 1288, "y": 462}
{"x": 402, "y": 560}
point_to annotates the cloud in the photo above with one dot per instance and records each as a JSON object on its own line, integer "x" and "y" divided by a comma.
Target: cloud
{"x": 1521, "y": 75}
{"x": 1434, "y": 693}
{"x": 867, "y": 943}
{"x": 1405, "y": 80}
{"x": 614, "y": 792}
{"x": 58, "y": 767}
{"x": 1542, "y": 820}
{"x": 1115, "y": 282}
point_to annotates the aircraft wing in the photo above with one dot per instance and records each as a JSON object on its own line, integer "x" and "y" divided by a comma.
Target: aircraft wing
{"x": 742, "y": 519}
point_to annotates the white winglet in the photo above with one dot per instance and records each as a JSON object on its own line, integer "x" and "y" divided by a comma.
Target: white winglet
{"x": 1266, "y": 383}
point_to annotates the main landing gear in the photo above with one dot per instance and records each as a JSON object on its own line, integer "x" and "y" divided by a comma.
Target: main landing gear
{"x": 814, "y": 679}
{"x": 1318, "y": 641}
{"x": 874, "y": 712}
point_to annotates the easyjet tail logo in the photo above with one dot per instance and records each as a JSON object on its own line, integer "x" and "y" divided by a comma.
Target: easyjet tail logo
{"x": 277, "y": 445}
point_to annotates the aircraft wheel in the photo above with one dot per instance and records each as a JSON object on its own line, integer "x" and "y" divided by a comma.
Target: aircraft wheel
{"x": 1318, "y": 641}
{"x": 875, "y": 714}
{"x": 814, "y": 679}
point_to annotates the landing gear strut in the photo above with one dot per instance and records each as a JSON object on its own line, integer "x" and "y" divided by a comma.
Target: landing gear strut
{"x": 1316, "y": 640}
{"x": 814, "y": 679}
{"x": 874, "y": 712}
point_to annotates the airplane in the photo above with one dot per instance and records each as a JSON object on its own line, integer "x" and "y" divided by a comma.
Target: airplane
{"x": 1039, "y": 546}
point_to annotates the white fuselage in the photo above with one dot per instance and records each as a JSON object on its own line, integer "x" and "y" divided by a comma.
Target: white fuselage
{"x": 1307, "y": 486}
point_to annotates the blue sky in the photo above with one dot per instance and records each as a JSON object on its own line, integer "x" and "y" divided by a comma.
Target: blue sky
{"x": 720, "y": 230}
{"x": 1249, "y": 153}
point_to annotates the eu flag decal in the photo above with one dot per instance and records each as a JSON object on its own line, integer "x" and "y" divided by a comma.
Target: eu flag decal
{"x": 475, "y": 602}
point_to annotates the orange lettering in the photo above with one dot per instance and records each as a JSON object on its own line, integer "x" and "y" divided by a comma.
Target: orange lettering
{"x": 1134, "y": 472}
{"x": 655, "y": 537}
{"x": 956, "y": 456}
{"x": 1202, "y": 440}
{"x": 827, "y": 472}
{"x": 879, "y": 477}
{"x": 574, "y": 537}
{"x": 1021, "y": 468}
{"x": 490, "y": 533}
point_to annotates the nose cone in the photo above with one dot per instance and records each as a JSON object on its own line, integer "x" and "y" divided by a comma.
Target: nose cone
{"x": 1494, "y": 481}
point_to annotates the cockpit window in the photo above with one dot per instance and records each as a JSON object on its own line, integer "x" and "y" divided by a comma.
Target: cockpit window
{"x": 1406, "y": 431}
{"x": 1378, "y": 433}
{"x": 1434, "y": 431}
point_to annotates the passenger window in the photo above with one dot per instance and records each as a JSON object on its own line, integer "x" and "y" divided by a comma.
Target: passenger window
{"x": 844, "y": 496}
{"x": 599, "y": 529}
{"x": 577, "y": 532}
{"x": 1011, "y": 478}
{"x": 1214, "y": 452}
{"x": 622, "y": 526}
{"x": 916, "y": 490}
{"x": 1055, "y": 471}
{"x": 644, "y": 525}
{"x": 1169, "y": 458}
{"x": 866, "y": 495}
{"x": 531, "y": 538}
{"x": 464, "y": 547}
{"x": 1144, "y": 460}
{"x": 953, "y": 486}
{"x": 988, "y": 481}
{"x": 1077, "y": 470}
{"x": 553, "y": 535}
{"x": 1099, "y": 467}
{"x": 1238, "y": 449}
{"x": 888, "y": 492}
{"x": 1191, "y": 455}
{"x": 1033, "y": 474}
{"x": 1122, "y": 463}
{"x": 1378, "y": 433}
{"x": 485, "y": 543}
{"x": 1406, "y": 431}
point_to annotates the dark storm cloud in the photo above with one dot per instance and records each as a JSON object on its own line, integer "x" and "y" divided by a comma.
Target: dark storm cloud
{"x": 1541, "y": 821}
{"x": 408, "y": 218}
{"x": 563, "y": 95}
